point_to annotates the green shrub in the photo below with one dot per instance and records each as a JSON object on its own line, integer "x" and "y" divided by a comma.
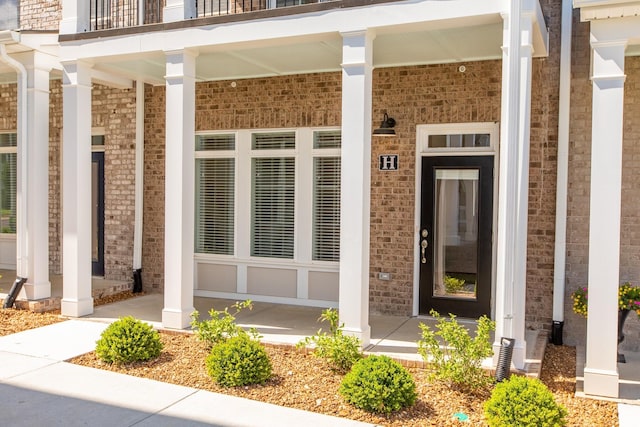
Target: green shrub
{"x": 222, "y": 324}
{"x": 128, "y": 340}
{"x": 239, "y": 361}
{"x": 379, "y": 384}
{"x": 341, "y": 351}
{"x": 523, "y": 402}
{"x": 453, "y": 285}
{"x": 459, "y": 358}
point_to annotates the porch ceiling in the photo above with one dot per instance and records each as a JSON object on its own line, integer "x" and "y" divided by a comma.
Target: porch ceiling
{"x": 322, "y": 53}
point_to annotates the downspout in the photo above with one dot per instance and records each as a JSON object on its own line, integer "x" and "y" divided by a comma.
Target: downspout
{"x": 562, "y": 174}
{"x": 11, "y": 37}
{"x": 139, "y": 177}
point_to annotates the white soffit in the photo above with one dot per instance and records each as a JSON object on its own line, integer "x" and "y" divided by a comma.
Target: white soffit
{"x": 443, "y": 45}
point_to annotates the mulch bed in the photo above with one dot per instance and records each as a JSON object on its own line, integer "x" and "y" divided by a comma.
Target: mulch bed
{"x": 303, "y": 381}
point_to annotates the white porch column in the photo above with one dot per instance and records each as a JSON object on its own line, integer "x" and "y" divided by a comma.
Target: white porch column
{"x": 601, "y": 370}
{"x": 179, "y": 189}
{"x": 355, "y": 182}
{"x": 75, "y": 16}
{"x": 76, "y": 189}
{"x": 513, "y": 183}
{"x": 36, "y": 240}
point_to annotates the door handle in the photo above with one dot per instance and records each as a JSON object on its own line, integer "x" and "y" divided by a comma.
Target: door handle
{"x": 423, "y": 245}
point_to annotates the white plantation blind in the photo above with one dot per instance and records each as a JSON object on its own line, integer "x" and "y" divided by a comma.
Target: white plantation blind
{"x": 327, "y": 139}
{"x": 272, "y": 207}
{"x": 326, "y": 209}
{"x": 215, "y": 196}
{"x": 273, "y": 141}
{"x": 215, "y": 142}
{"x": 8, "y": 177}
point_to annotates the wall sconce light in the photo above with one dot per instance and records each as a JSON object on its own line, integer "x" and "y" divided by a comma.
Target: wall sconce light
{"x": 386, "y": 127}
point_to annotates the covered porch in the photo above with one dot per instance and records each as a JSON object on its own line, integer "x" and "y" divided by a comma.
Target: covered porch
{"x": 341, "y": 41}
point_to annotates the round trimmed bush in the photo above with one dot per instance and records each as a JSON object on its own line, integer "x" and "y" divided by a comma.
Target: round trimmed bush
{"x": 128, "y": 340}
{"x": 523, "y": 402}
{"x": 239, "y": 361}
{"x": 379, "y": 384}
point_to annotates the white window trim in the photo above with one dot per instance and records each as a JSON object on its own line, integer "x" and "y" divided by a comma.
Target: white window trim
{"x": 303, "y": 155}
{"x": 10, "y": 150}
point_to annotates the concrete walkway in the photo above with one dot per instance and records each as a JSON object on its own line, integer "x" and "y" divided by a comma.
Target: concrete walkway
{"x": 38, "y": 388}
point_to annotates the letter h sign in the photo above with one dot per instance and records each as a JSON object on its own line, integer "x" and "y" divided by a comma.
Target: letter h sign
{"x": 388, "y": 162}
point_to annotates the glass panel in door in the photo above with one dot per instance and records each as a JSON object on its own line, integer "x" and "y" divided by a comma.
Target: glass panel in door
{"x": 456, "y": 233}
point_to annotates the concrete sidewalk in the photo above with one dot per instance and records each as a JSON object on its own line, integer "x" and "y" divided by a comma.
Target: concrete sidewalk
{"x": 38, "y": 388}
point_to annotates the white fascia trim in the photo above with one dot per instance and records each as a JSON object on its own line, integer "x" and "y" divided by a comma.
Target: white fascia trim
{"x": 311, "y": 25}
{"x": 111, "y": 80}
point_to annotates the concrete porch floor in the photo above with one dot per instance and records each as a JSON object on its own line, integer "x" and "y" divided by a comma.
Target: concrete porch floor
{"x": 628, "y": 383}
{"x": 288, "y": 324}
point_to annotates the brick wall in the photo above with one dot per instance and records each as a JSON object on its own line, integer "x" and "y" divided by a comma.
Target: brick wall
{"x": 40, "y": 14}
{"x": 412, "y": 96}
{"x": 579, "y": 185}
{"x": 113, "y": 110}
{"x": 153, "y": 214}
{"x": 542, "y": 176}
{"x": 55, "y": 182}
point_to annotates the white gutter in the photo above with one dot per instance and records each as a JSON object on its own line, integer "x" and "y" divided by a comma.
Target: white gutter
{"x": 139, "y": 176}
{"x": 12, "y": 37}
{"x": 563, "y": 163}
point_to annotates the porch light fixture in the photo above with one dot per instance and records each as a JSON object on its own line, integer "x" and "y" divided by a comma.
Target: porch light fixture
{"x": 386, "y": 127}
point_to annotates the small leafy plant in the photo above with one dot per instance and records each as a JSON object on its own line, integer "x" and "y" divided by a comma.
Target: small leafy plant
{"x": 128, "y": 340}
{"x": 238, "y": 361}
{"x": 340, "y": 350}
{"x": 459, "y": 359}
{"x": 379, "y": 384}
{"x": 523, "y": 402}
{"x": 453, "y": 285}
{"x": 222, "y": 324}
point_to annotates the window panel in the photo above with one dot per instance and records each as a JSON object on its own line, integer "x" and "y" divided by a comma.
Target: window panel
{"x": 272, "y": 207}
{"x": 327, "y": 139}
{"x": 273, "y": 141}
{"x": 215, "y": 198}
{"x": 215, "y": 142}
{"x": 326, "y": 209}
{"x": 8, "y": 177}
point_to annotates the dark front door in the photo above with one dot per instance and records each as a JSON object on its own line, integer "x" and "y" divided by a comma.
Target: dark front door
{"x": 456, "y": 235}
{"x": 97, "y": 214}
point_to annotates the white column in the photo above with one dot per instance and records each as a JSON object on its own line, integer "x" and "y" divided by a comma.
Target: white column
{"x": 36, "y": 240}
{"x": 75, "y": 16}
{"x": 601, "y": 370}
{"x": 521, "y": 240}
{"x": 179, "y": 189}
{"x": 513, "y": 184}
{"x": 76, "y": 189}
{"x": 355, "y": 182}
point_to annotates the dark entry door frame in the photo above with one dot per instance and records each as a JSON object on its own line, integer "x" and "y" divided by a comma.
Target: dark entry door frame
{"x": 457, "y": 140}
{"x": 97, "y": 213}
{"x": 456, "y": 233}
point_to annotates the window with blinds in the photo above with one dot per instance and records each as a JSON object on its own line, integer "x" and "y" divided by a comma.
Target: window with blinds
{"x": 326, "y": 198}
{"x": 8, "y": 177}
{"x": 326, "y": 209}
{"x": 273, "y": 207}
{"x": 215, "y": 196}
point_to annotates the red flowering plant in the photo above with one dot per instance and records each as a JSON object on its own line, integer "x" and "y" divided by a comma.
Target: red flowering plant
{"x": 628, "y": 298}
